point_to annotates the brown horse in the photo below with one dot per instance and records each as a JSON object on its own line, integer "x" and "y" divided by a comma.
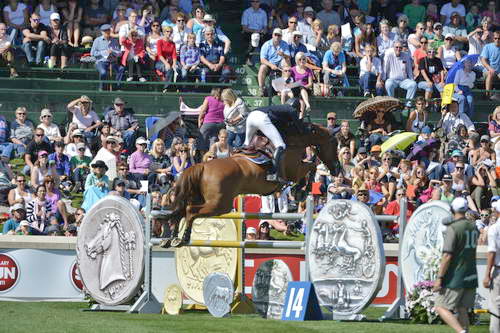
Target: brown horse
{"x": 208, "y": 189}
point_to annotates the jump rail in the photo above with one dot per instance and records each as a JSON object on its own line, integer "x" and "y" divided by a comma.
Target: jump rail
{"x": 241, "y": 244}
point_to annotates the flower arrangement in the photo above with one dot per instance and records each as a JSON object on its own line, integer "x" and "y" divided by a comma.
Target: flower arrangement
{"x": 420, "y": 304}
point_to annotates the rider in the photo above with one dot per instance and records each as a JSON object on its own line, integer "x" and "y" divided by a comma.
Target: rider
{"x": 267, "y": 119}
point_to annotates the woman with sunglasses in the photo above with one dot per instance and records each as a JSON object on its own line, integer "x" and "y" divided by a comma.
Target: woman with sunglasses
{"x": 119, "y": 20}
{"x": 418, "y": 117}
{"x": 448, "y": 53}
{"x": 147, "y": 18}
{"x": 196, "y": 23}
{"x": 39, "y": 210}
{"x": 485, "y": 184}
{"x": 401, "y": 31}
{"x": 181, "y": 161}
{"x": 57, "y": 206}
{"x": 430, "y": 71}
{"x": 140, "y": 161}
{"x": 133, "y": 55}
{"x": 21, "y": 194}
{"x": 386, "y": 38}
{"x": 160, "y": 164}
{"x": 152, "y": 39}
{"x": 43, "y": 168}
{"x": 181, "y": 32}
{"x": 420, "y": 184}
{"x": 345, "y": 160}
{"x": 51, "y": 130}
{"x": 166, "y": 58}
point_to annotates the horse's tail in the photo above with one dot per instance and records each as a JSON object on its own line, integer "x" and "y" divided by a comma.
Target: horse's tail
{"x": 186, "y": 190}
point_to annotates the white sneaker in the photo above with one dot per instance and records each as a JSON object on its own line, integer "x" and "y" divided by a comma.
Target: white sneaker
{"x": 142, "y": 79}
{"x": 366, "y": 94}
{"x": 130, "y": 79}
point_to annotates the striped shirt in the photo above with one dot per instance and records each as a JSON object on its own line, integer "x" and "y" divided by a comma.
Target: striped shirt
{"x": 190, "y": 55}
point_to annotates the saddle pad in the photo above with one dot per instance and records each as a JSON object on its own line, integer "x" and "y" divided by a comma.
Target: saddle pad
{"x": 257, "y": 158}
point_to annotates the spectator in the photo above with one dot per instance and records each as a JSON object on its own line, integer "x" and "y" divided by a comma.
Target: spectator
{"x": 50, "y": 129}
{"x": 264, "y": 230}
{"x": 80, "y": 166}
{"x": 438, "y": 38}
{"x": 331, "y": 123}
{"x": 18, "y": 214}
{"x": 484, "y": 181}
{"x": 151, "y": 40}
{"x": 365, "y": 38}
{"x": 39, "y": 211}
{"x": 333, "y": 34}
{"x": 448, "y": 53}
{"x": 251, "y": 234}
{"x": 131, "y": 184}
{"x": 218, "y": 34}
{"x": 147, "y": 18}
{"x": 431, "y": 74}
{"x": 180, "y": 32}
{"x": 36, "y": 37}
{"x": 96, "y": 184}
{"x": 303, "y": 75}
{"x": 492, "y": 13}
{"x": 15, "y": 16}
{"x": 106, "y": 51}
{"x": 196, "y": 22}
{"x": 72, "y": 14}
{"x": 386, "y": 39}
{"x": 21, "y": 131}
{"x": 293, "y": 22}
{"x": 123, "y": 121}
{"x": 59, "y": 48}
{"x": 84, "y": 116}
{"x": 253, "y": 21}
{"x": 273, "y": 54}
{"x": 305, "y": 24}
{"x": 415, "y": 38}
{"x": 494, "y": 124}
{"x": 180, "y": 160}
{"x": 235, "y": 114}
{"x": 379, "y": 128}
{"x": 345, "y": 138}
{"x": 79, "y": 215}
{"x": 448, "y": 9}
{"x": 415, "y": 13}
{"x": 340, "y": 188}
{"x": 393, "y": 207}
{"x": 211, "y": 118}
{"x": 475, "y": 41}
{"x": 173, "y": 10}
{"x": 166, "y": 58}
{"x": 490, "y": 58}
{"x": 34, "y": 148}
{"x": 131, "y": 25}
{"x": 334, "y": 67}
{"x": 286, "y": 75}
{"x": 429, "y": 28}
{"x": 140, "y": 160}
{"x": 108, "y": 155}
{"x": 21, "y": 194}
{"x": 484, "y": 154}
{"x": 398, "y": 72}
{"x": 134, "y": 55}
{"x": 41, "y": 168}
{"x": 54, "y": 197}
{"x": 473, "y": 17}
{"x": 464, "y": 82}
{"x": 402, "y": 32}
{"x": 160, "y": 165}
{"x": 221, "y": 148}
{"x": 95, "y": 16}
{"x": 418, "y": 118}
{"x": 190, "y": 59}
{"x": 455, "y": 29}
{"x": 60, "y": 161}
{"x": 118, "y": 21}
{"x": 328, "y": 16}
{"x": 451, "y": 119}
{"x": 213, "y": 56}
{"x": 7, "y": 52}
{"x": 370, "y": 73}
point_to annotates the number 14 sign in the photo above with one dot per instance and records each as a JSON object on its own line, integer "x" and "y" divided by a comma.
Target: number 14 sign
{"x": 301, "y": 302}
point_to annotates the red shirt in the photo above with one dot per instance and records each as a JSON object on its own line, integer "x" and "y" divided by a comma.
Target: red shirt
{"x": 166, "y": 49}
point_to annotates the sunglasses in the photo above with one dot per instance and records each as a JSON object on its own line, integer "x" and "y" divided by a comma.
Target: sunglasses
{"x": 180, "y": 20}
{"x": 286, "y": 70}
{"x": 431, "y": 52}
{"x": 81, "y": 149}
{"x": 155, "y": 25}
{"x": 449, "y": 39}
{"x": 123, "y": 169}
{"x": 38, "y": 134}
{"x": 459, "y": 168}
{"x": 398, "y": 47}
{"x": 35, "y": 20}
{"x": 423, "y": 42}
{"x": 184, "y": 151}
{"x": 119, "y": 104}
{"x": 362, "y": 194}
{"x": 438, "y": 28}
{"x": 43, "y": 156}
{"x": 386, "y": 159}
{"x": 347, "y": 152}
{"x": 49, "y": 182}
{"x": 485, "y": 215}
{"x": 21, "y": 113}
{"x": 292, "y": 22}
{"x": 331, "y": 118}
{"x": 47, "y": 117}
{"x": 20, "y": 181}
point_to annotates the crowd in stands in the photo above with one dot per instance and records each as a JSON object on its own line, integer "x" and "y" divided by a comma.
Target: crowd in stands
{"x": 396, "y": 45}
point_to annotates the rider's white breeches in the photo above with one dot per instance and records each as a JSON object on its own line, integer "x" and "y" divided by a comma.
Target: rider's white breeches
{"x": 258, "y": 120}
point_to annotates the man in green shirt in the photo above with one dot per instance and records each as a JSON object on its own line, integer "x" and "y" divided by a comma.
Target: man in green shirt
{"x": 415, "y": 12}
{"x": 80, "y": 165}
{"x": 457, "y": 277}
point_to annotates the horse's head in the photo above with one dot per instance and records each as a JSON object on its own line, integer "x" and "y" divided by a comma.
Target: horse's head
{"x": 100, "y": 242}
{"x": 326, "y": 144}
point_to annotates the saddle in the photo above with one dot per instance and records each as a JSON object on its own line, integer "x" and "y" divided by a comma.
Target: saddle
{"x": 260, "y": 150}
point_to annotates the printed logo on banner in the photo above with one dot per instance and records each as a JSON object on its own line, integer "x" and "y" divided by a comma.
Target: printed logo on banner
{"x": 74, "y": 276}
{"x": 9, "y": 272}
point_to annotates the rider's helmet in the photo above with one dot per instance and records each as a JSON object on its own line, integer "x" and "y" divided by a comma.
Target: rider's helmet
{"x": 294, "y": 103}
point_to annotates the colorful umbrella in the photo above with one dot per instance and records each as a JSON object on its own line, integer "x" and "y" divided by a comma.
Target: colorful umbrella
{"x": 399, "y": 141}
{"x": 385, "y": 103}
{"x": 473, "y": 58}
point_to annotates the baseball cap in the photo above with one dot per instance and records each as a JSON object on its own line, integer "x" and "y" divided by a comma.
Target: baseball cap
{"x": 45, "y": 112}
{"x": 308, "y": 9}
{"x": 402, "y": 18}
{"x": 118, "y": 100}
{"x": 251, "y": 230}
{"x": 426, "y": 130}
{"x": 17, "y": 206}
{"x": 77, "y": 132}
{"x": 111, "y": 138}
{"x": 449, "y": 36}
{"x": 80, "y": 145}
{"x": 264, "y": 222}
{"x": 447, "y": 178}
{"x": 55, "y": 16}
{"x": 140, "y": 140}
{"x": 457, "y": 152}
{"x": 459, "y": 205}
{"x": 376, "y": 148}
{"x": 437, "y": 24}
{"x": 277, "y": 31}
{"x": 362, "y": 150}
{"x": 208, "y": 18}
{"x": 120, "y": 182}
{"x": 297, "y": 33}
{"x": 42, "y": 152}
{"x": 455, "y": 14}
{"x": 485, "y": 138}
{"x": 105, "y": 27}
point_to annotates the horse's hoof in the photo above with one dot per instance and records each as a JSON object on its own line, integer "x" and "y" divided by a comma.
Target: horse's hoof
{"x": 166, "y": 243}
{"x": 176, "y": 242}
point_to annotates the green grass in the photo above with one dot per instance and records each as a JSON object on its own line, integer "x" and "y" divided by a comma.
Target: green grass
{"x": 69, "y": 317}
